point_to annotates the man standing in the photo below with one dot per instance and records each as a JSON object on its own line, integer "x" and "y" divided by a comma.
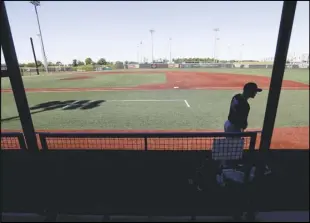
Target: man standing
{"x": 240, "y": 108}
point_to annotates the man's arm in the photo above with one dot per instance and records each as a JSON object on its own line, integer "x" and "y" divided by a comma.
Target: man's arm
{"x": 237, "y": 107}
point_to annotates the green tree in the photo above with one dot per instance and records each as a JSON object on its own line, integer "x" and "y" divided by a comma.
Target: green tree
{"x": 177, "y": 60}
{"x": 165, "y": 61}
{"x": 80, "y": 63}
{"x": 74, "y": 63}
{"x": 102, "y": 61}
{"x": 31, "y": 65}
{"x": 39, "y": 63}
{"x": 88, "y": 61}
{"x": 58, "y": 63}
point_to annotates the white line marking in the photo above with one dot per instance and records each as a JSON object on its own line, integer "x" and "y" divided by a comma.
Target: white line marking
{"x": 67, "y": 106}
{"x": 187, "y": 104}
{"x": 143, "y": 100}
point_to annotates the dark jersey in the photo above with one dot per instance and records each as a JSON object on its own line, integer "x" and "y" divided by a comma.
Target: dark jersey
{"x": 239, "y": 111}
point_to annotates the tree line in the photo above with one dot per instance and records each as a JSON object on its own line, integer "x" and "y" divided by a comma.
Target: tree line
{"x": 89, "y": 61}
{"x": 40, "y": 64}
{"x": 75, "y": 63}
{"x": 104, "y": 62}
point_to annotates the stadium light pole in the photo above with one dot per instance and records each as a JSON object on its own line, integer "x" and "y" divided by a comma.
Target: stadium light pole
{"x": 229, "y": 52}
{"x": 170, "y": 44}
{"x": 152, "y": 31}
{"x": 138, "y": 53}
{"x": 37, "y": 3}
{"x": 217, "y": 53}
{"x": 141, "y": 53}
{"x": 241, "y": 48}
{"x": 215, "y": 39}
{"x": 42, "y": 51}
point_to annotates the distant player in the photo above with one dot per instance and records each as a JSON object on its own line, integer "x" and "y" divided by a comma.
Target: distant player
{"x": 240, "y": 108}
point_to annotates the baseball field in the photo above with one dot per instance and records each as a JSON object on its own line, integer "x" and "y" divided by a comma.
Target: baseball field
{"x": 170, "y": 100}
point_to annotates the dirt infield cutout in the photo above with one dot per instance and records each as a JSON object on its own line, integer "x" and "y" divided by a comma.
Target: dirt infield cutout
{"x": 182, "y": 80}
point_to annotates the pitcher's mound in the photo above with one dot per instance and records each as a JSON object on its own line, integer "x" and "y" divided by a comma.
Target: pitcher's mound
{"x": 76, "y": 78}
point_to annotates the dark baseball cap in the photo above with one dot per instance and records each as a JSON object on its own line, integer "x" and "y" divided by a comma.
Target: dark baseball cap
{"x": 251, "y": 87}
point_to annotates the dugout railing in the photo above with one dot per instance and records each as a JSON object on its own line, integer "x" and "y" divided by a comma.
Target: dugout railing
{"x": 132, "y": 141}
{"x": 13, "y": 140}
{"x": 147, "y": 163}
{"x": 146, "y": 141}
{"x": 126, "y": 182}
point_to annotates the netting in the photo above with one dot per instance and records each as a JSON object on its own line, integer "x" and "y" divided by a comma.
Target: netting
{"x": 12, "y": 141}
{"x": 221, "y": 144}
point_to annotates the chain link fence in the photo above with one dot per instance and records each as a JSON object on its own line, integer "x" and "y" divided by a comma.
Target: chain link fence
{"x": 28, "y": 71}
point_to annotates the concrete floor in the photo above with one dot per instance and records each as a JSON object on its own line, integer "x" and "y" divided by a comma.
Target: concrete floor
{"x": 302, "y": 216}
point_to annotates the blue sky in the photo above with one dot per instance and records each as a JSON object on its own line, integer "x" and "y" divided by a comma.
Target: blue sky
{"x": 113, "y": 30}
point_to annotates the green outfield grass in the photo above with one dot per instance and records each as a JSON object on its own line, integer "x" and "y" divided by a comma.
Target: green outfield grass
{"x": 208, "y": 110}
{"x": 123, "y": 80}
{"x": 115, "y": 80}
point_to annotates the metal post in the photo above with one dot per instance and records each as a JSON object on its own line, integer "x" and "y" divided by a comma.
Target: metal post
{"x": 34, "y": 55}
{"x": 215, "y": 38}
{"x": 18, "y": 89}
{"x": 286, "y": 24}
{"x": 152, "y": 31}
{"x": 41, "y": 37}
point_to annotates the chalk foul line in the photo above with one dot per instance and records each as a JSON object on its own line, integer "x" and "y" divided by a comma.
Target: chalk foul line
{"x": 187, "y": 104}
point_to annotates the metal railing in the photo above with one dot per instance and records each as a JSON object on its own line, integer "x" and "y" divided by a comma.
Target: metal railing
{"x": 157, "y": 141}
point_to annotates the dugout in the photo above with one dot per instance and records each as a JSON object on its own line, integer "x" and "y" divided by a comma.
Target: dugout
{"x": 70, "y": 182}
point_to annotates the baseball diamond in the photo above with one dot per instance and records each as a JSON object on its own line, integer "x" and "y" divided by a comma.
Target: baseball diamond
{"x": 157, "y": 100}
{"x": 155, "y": 111}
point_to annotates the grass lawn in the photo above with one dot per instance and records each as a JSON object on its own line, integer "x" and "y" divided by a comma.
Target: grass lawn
{"x": 208, "y": 110}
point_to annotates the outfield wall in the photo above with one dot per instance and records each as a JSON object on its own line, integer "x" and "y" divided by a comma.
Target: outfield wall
{"x": 32, "y": 71}
{"x": 216, "y": 65}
